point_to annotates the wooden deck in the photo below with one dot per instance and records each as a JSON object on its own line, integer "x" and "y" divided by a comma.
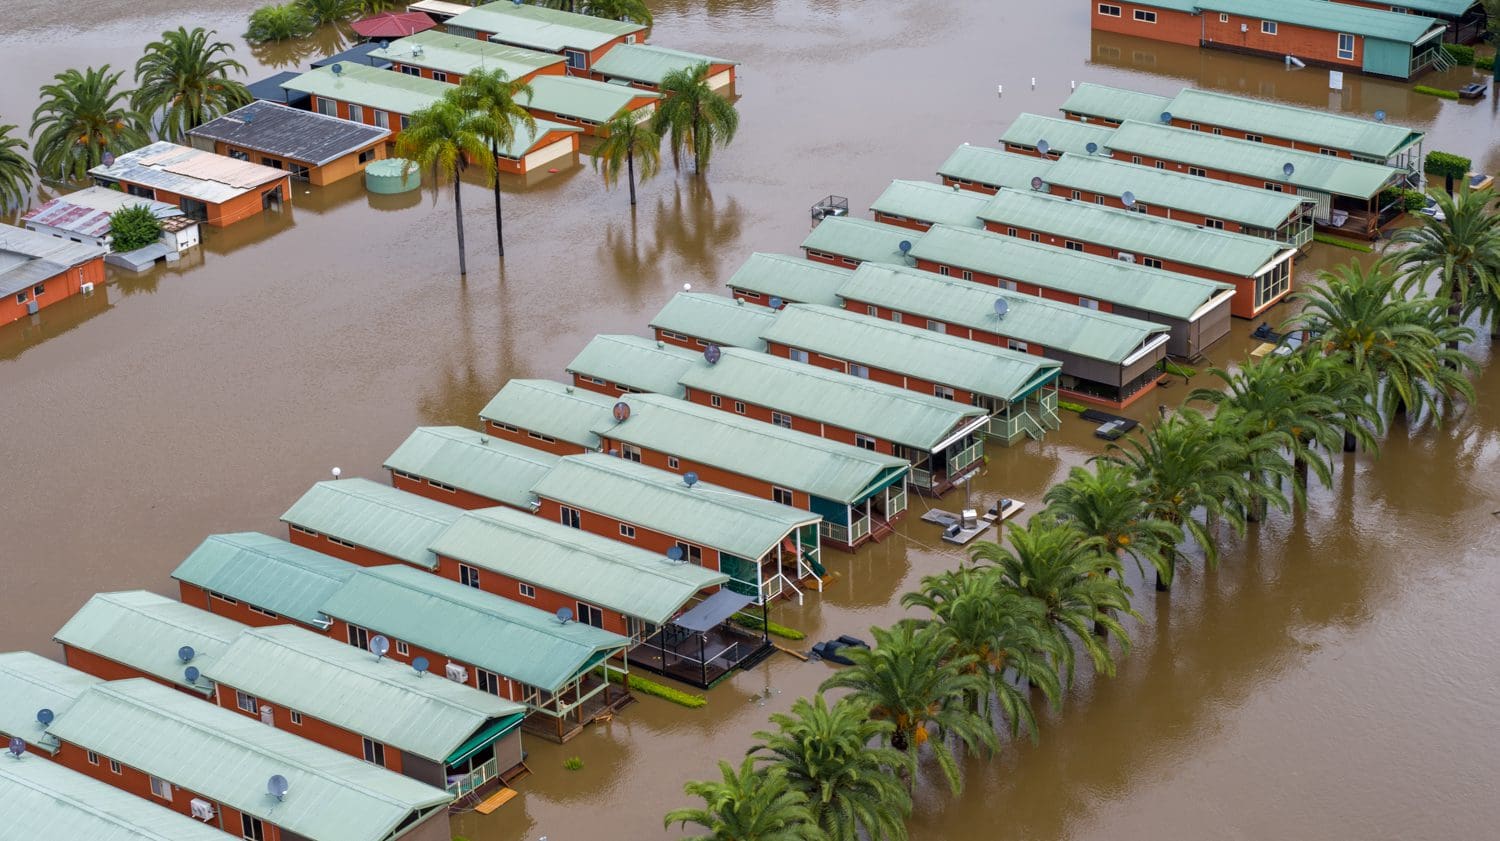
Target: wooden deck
{"x": 677, "y": 655}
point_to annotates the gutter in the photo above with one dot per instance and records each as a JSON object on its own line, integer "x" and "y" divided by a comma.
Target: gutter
{"x": 1212, "y": 304}
{"x": 1151, "y": 344}
{"x": 973, "y": 426}
{"x": 1280, "y": 258}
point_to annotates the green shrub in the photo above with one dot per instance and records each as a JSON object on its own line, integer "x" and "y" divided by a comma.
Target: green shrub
{"x": 278, "y": 23}
{"x": 1326, "y": 239}
{"x": 745, "y": 620}
{"x": 133, "y": 227}
{"x": 329, "y": 11}
{"x": 1068, "y": 406}
{"x": 1411, "y": 200}
{"x": 1486, "y": 62}
{"x": 573, "y": 763}
{"x": 1179, "y": 370}
{"x": 1438, "y": 92}
{"x": 1460, "y": 53}
{"x": 651, "y": 687}
{"x": 1445, "y": 164}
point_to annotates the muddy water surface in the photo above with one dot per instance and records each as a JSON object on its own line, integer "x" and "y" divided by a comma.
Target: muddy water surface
{"x": 1331, "y": 680}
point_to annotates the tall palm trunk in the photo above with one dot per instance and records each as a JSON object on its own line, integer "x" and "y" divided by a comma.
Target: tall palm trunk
{"x": 630, "y": 168}
{"x": 697, "y": 147}
{"x": 458, "y": 217}
{"x": 499, "y": 224}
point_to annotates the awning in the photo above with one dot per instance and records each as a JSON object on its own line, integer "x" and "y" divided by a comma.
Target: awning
{"x": 713, "y": 611}
{"x": 485, "y": 737}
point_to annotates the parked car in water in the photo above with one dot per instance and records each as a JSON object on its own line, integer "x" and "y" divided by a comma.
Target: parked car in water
{"x": 1473, "y": 90}
{"x": 1432, "y": 209}
{"x": 1111, "y": 430}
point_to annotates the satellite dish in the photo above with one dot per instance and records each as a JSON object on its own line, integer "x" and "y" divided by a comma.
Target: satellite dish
{"x": 1380, "y": 116}
{"x": 1091, "y": 147}
{"x": 622, "y": 411}
{"x": 1043, "y": 146}
{"x": 186, "y": 654}
{"x": 1002, "y": 307}
{"x": 108, "y": 159}
{"x": 385, "y": 43}
{"x": 1127, "y": 198}
{"x": 1287, "y": 169}
{"x": 1166, "y": 117}
{"x": 690, "y": 478}
{"x": 1037, "y": 183}
{"x": 191, "y": 673}
{"x": 777, "y": 303}
{"x": 711, "y": 354}
{"x": 278, "y": 787}
{"x": 337, "y": 68}
{"x": 379, "y": 645}
{"x": 17, "y": 746}
{"x": 674, "y": 554}
{"x": 564, "y": 615}
{"x": 904, "y": 245}
{"x": 44, "y": 716}
{"x": 420, "y": 664}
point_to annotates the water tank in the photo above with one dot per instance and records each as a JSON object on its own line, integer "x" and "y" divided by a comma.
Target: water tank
{"x": 390, "y": 176}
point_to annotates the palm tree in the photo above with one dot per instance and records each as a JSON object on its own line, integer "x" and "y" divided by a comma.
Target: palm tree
{"x": 852, "y": 788}
{"x": 1462, "y": 252}
{"x": 693, "y": 116}
{"x": 1072, "y": 577}
{"x": 444, "y": 138}
{"x": 15, "y": 171}
{"x": 279, "y": 23}
{"x": 489, "y": 96}
{"x": 749, "y": 805}
{"x": 81, "y": 117}
{"x": 626, "y": 136}
{"x": 632, "y": 11}
{"x": 1106, "y": 503}
{"x": 914, "y": 679}
{"x": 183, "y": 77}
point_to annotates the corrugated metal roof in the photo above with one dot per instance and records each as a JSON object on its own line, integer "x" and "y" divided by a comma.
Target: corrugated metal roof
{"x": 1307, "y": 126}
{"x": 45, "y": 800}
{"x": 716, "y": 318}
{"x": 456, "y": 54}
{"x": 369, "y": 86}
{"x": 305, "y": 136}
{"x": 346, "y": 686}
{"x": 1073, "y": 272}
{"x": 1333, "y": 17}
{"x": 267, "y": 572}
{"x": 551, "y": 408}
{"x": 606, "y": 573}
{"x": 145, "y": 631}
{"x": 228, "y": 757}
{"x": 29, "y": 257}
{"x": 30, "y": 683}
{"x": 1061, "y": 135}
{"x": 782, "y": 457}
{"x": 87, "y": 211}
{"x": 911, "y": 351}
{"x": 1138, "y": 233}
{"x": 1029, "y": 318}
{"x": 993, "y": 167}
{"x": 793, "y": 279}
{"x": 541, "y": 28}
{"x": 374, "y": 516}
{"x": 188, "y": 172}
{"x": 586, "y": 99}
{"x": 649, "y": 63}
{"x": 859, "y": 239}
{"x": 1095, "y": 100}
{"x": 472, "y": 461}
{"x": 1446, "y": 8}
{"x": 1224, "y": 200}
{"x": 470, "y": 625}
{"x": 704, "y": 514}
{"x": 1313, "y": 171}
{"x": 829, "y": 397}
{"x": 634, "y": 362}
{"x": 923, "y": 201}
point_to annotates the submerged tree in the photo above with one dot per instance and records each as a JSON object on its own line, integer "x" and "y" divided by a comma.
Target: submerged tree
{"x": 1106, "y": 503}
{"x": 82, "y": 116}
{"x": 1461, "y": 252}
{"x": 693, "y": 116}
{"x": 278, "y": 23}
{"x": 184, "y": 79}
{"x": 133, "y": 227}
{"x": 625, "y": 139}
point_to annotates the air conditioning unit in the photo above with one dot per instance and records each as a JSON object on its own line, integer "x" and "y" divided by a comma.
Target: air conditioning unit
{"x": 1126, "y": 257}
{"x": 630, "y": 39}
{"x": 202, "y": 809}
{"x": 87, "y": 289}
{"x": 456, "y": 673}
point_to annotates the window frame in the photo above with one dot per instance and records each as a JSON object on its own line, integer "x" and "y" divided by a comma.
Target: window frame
{"x": 1268, "y": 27}
{"x": 783, "y": 496}
{"x": 374, "y": 752}
{"x": 1109, "y": 10}
{"x": 1339, "y": 46}
{"x": 160, "y": 788}
{"x": 1144, "y": 16}
{"x": 468, "y": 575}
{"x": 245, "y": 702}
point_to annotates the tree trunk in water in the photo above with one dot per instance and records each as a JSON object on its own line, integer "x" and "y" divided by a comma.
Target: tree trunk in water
{"x": 1161, "y": 585}
{"x": 697, "y": 144}
{"x": 1448, "y": 185}
{"x": 1350, "y": 444}
{"x": 458, "y": 218}
{"x": 630, "y": 166}
{"x": 499, "y": 229}
{"x": 1455, "y": 312}
{"x": 1299, "y": 466}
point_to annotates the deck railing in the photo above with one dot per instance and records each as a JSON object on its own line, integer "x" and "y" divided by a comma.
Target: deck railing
{"x": 846, "y": 534}
{"x": 470, "y": 782}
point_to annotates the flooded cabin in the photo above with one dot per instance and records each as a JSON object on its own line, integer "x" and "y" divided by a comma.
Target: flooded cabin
{"x": 312, "y": 147}
{"x": 210, "y": 188}
{"x": 1049, "y": 137}
{"x": 547, "y": 415}
{"x": 779, "y": 279}
{"x": 695, "y": 320}
{"x": 369, "y": 524}
{"x": 259, "y": 580}
{"x": 986, "y": 170}
{"x": 646, "y": 65}
{"x": 617, "y": 364}
{"x": 136, "y": 634}
{"x": 580, "y": 39}
{"x": 846, "y": 242}
{"x": 467, "y": 469}
{"x": 921, "y": 204}
{"x": 38, "y": 270}
{"x": 445, "y": 57}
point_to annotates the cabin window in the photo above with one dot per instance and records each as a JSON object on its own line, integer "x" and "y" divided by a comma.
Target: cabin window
{"x": 1036, "y": 237}
{"x": 896, "y": 317}
{"x": 1216, "y": 224}
{"x": 442, "y": 487}
{"x": 577, "y": 59}
{"x": 1088, "y": 303}
{"x": 936, "y": 326}
{"x": 21, "y": 297}
{"x": 943, "y": 270}
{"x": 1198, "y": 171}
{"x": 872, "y": 310}
{"x": 238, "y": 154}
{"x": 1144, "y": 16}
{"x": 1194, "y": 127}
{"x": 299, "y": 171}
{"x": 796, "y": 355}
{"x": 1268, "y": 27}
{"x": 1077, "y": 195}
{"x": 1255, "y": 138}
{"x": 540, "y": 437}
{"x": 356, "y": 113}
{"x": 1275, "y": 188}
{"x": 1109, "y": 10}
{"x": 374, "y": 752}
{"x": 1218, "y": 131}
{"x": 942, "y": 391}
{"x": 1135, "y": 159}
{"x": 864, "y": 441}
{"x": 849, "y": 261}
{"x": 1019, "y": 347}
{"x": 359, "y": 637}
{"x": 672, "y": 462}
{"x": 1332, "y": 153}
{"x": 1161, "y": 165}
{"x": 405, "y": 121}
{"x": 263, "y": 612}
{"x": 1072, "y": 246}
{"x": 1099, "y": 200}
{"x": 860, "y": 371}
{"x": 161, "y": 788}
{"x": 1009, "y": 285}
{"x": 251, "y": 828}
{"x": 702, "y": 342}
{"x": 590, "y": 615}
{"x": 114, "y": 767}
{"x": 225, "y": 599}
{"x": 487, "y": 681}
{"x": 296, "y": 717}
{"x": 526, "y": 590}
{"x": 627, "y": 531}
{"x": 1010, "y": 232}
{"x": 1273, "y": 283}
{"x": 140, "y": 192}
{"x": 668, "y": 334}
{"x": 1223, "y": 18}
{"x": 568, "y": 516}
{"x": 504, "y": 426}
{"x": 367, "y": 155}
{"x": 739, "y": 407}
{"x": 92, "y": 757}
{"x": 411, "y": 71}
{"x": 630, "y": 452}
{"x": 781, "y": 495}
{"x": 1151, "y": 262}
{"x": 745, "y": 293}
{"x": 783, "y": 421}
{"x": 328, "y": 107}
{"x": 468, "y": 576}
{"x": 692, "y": 554}
{"x": 715, "y": 401}
{"x": 968, "y": 275}
{"x": 439, "y": 76}
{"x": 1141, "y": 207}
{"x": 247, "y": 703}
{"x": 1346, "y": 46}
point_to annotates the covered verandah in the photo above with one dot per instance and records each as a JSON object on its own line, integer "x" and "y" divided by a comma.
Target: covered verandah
{"x": 702, "y": 645}
{"x": 847, "y": 525}
{"x": 941, "y": 467}
{"x": 1033, "y": 412}
{"x": 561, "y": 712}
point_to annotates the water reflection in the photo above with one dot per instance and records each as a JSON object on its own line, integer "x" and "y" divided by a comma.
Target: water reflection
{"x": 297, "y": 53}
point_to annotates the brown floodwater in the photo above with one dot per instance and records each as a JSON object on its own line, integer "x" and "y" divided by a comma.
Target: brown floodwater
{"x": 1332, "y": 680}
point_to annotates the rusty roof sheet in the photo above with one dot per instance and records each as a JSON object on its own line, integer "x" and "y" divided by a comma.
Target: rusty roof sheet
{"x": 189, "y": 172}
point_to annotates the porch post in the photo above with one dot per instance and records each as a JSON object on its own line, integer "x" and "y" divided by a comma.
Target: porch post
{"x": 702, "y": 661}
{"x": 765, "y": 621}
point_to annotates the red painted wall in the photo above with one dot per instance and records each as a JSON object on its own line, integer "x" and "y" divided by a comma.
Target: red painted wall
{"x": 879, "y": 375}
{"x": 902, "y": 221}
{"x": 604, "y": 526}
{"x": 103, "y": 667}
{"x": 312, "y": 729}
{"x": 437, "y": 661}
{"x": 1171, "y": 26}
{"x": 507, "y": 587}
{"x": 831, "y": 259}
{"x": 62, "y": 285}
{"x": 466, "y": 500}
{"x": 713, "y": 475}
{"x": 522, "y": 436}
{"x": 1319, "y": 45}
{"x": 970, "y": 186}
{"x": 355, "y": 555}
{"x": 800, "y": 424}
{"x": 239, "y": 612}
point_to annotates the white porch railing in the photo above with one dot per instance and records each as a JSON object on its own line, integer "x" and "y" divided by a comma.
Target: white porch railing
{"x": 471, "y": 782}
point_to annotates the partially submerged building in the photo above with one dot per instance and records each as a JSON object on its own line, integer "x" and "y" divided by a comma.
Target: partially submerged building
{"x": 37, "y": 270}
{"x": 778, "y": 279}
{"x": 985, "y": 170}
{"x": 369, "y": 524}
{"x": 695, "y": 320}
{"x": 84, "y": 217}
{"x": 645, "y": 65}
{"x": 581, "y": 39}
{"x": 445, "y": 57}
{"x": 548, "y": 415}
{"x": 134, "y": 633}
{"x": 921, "y": 204}
{"x": 210, "y": 188}
{"x": 312, "y": 147}
{"x": 847, "y": 241}
{"x": 622, "y": 364}
{"x": 1050, "y": 137}
{"x": 467, "y": 469}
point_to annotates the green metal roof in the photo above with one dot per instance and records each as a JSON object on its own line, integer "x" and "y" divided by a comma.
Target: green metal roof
{"x": 993, "y": 167}
{"x": 859, "y": 239}
{"x": 1029, "y": 318}
{"x": 1138, "y": 233}
{"x": 792, "y": 279}
{"x": 371, "y": 87}
{"x": 266, "y": 572}
{"x": 541, "y": 28}
{"x": 45, "y": 800}
{"x": 374, "y": 516}
{"x": 634, "y": 362}
{"x": 924, "y": 201}
{"x": 470, "y": 625}
{"x": 551, "y": 408}
{"x": 1251, "y": 206}
{"x": 796, "y": 460}
{"x": 456, "y": 54}
{"x": 30, "y": 683}
{"x": 606, "y": 573}
{"x": 715, "y": 318}
{"x": 1333, "y": 17}
{"x": 648, "y": 63}
{"x": 586, "y": 99}
{"x": 913, "y": 351}
{"x": 1073, "y": 272}
{"x": 347, "y": 686}
{"x": 1446, "y": 8}
{"x": 885, "y": 411}
{"x": 1308, "y": 127}
{"x": 1061, "y": 135}
{"x": 1094, "y": 100}
{"x": 704, "y": 514}
{"x": 145, "y": 631}
{"x": 1319, "y": 173}
{"x": 228, "y": 757}
{"x": 471, "y": 461}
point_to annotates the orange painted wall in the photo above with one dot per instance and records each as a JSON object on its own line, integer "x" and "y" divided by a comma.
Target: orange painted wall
{"x": 198, "y": 597}
{"x": 236, "y": 209}
{"x": 522, "y": 436}
{"x": 549, "y": 600}
{"x": 458, "y": 498}
{"x": 62, "y": 285}
{"x": 1171, "y": 26}
{"x": 320, "y": 176}
{"x": 605, "y": 526}
{"x": 713, "y": 475}
{"x": 1319, "y": 45}
{"x": 312, "y": 729}
{"x": 355, "y": 555}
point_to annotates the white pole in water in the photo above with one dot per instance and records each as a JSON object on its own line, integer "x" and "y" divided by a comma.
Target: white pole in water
{"x": 1000, "y": 90}
{"x": 1033, "y": 83}
{"x": 1073, "y": 85}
